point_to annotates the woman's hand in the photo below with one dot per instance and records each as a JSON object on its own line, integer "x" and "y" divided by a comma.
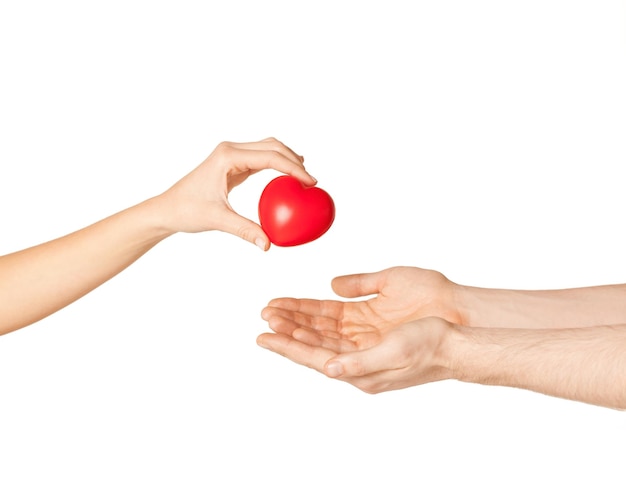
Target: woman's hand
{"x": 199, "y": 201}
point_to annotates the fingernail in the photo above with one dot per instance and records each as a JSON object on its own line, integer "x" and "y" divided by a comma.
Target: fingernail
{"x": 260, "y": 243}
{"x": 314, "y": 179}
{"x": 334, "y": 369}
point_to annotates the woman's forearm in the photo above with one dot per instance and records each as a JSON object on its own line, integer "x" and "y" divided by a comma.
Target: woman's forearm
{"x": 582, "y": 364}
{"x": 569, "y": 308}
{"x": 40, "y": 280}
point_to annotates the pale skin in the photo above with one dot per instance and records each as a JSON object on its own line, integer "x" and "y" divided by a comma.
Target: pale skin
{"x": 36, "y": 282}
{"x": 421, "y": 327}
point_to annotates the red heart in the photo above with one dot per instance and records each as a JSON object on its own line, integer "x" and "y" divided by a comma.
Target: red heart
{"x": 292, "y": 214}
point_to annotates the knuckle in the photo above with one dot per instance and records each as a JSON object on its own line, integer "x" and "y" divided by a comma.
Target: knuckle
{"x": 245, "y": 233}
{"x": 275, "y": 159}
{"x": 356, "y": 368}
{"x": 223, "y": 149}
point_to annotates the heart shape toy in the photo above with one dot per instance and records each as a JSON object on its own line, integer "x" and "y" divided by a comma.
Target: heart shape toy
{"x": 293, "y": 214}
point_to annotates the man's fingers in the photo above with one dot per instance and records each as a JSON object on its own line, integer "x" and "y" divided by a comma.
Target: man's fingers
{"x": 296, "y": 351}
{"x": 311, "y": 307}
{"x": 362, "y": 363}
{"x": 285, "y": 321}
{"x": 323, "y": 339}
{"x": 359, "y": 285}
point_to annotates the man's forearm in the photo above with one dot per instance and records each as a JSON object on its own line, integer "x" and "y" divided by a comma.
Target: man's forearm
{"x": 582, "y": 364}
{"x": 569, "y": 308}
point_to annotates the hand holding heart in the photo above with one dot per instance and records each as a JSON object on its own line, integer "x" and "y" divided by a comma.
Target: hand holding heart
{"x": 199, "y": 201}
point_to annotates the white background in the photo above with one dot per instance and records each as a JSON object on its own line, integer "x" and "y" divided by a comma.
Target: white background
{"x": 484, "y": 139}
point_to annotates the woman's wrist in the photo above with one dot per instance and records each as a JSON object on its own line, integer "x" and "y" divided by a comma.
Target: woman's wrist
{"x": 159, "y": 216}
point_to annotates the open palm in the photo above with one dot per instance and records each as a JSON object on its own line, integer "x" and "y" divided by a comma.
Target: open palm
{"x": 310, "y": 332}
